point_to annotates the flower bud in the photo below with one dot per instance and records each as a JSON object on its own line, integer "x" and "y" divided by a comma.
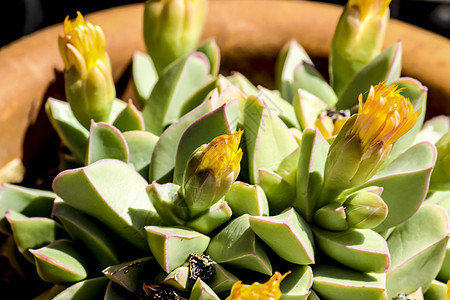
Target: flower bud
{"x": 365, "y": 140}
{"x": 358, "y": 38}
{"x": 365, "y": 210}
{"x": 172, "y": 28}
{"x": 89, "y": 83}
{"x": 331, "y": 217}
{"x": 211, "y": 170}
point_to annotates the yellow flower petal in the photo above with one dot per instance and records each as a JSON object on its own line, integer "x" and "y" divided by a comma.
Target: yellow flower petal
{"x": 258, "y": 291}
{"x": 384, "y": 117}
{"x": 368, "y": 7}
{"x": 222, "y": 152}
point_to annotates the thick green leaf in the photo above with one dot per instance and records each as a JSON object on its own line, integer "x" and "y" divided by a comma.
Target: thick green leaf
{"x": 237, "y": 245}
{"x": 122, "y": 207}
{"x": 433, "y": 129}
{"x": 307, "y": 108}
{"x": 106, "y": 141}
{"x": 87, "y": 231}
{"x": 171, "y": 246}
{"x": 297, "y": 284}
{"x": 417, "y": 249}
{"x": 201, "y": 291}
{"x": 267, "y": 138}
{"x": 60, "y": 262}
{"x": 31, "y": 233}
{"x": 116, "y": 292}
{"x": 217, "y": 215}
{"x": 243, "y": 84}
{"x": 203, "y": 93}
{"x": 176, "y": 84}
{"x": 179, "y": 278}
{"x": 212, "y": 52}
{"x": 222, "y": 120}
{"x": 290, "y": 56}
{"x": 343, "y": 284}
{"x": 130, "y": 274}
{"x": 280, "y": 194}
{"x": 27, "y": 201}
{"x": 89, "y": 289}
{"x": 222, "y": 279}
{"x": 385, "y": 67}
{"x": 249, "y": 199}
{"x": 165, "y": 198}
{"x": 69, "y": 130}
{"x": 144, "y": 76}
{"x": 311, "y": 164}
{"x": 51, "y": 292}
{"x": 436, "y": 291}
{"x": 361, "y": 249}
{"x": 405, "y": 183}
{"x": 140, "y": 147}
{"x": 130, "y": 118}
{"x": 165, "y": 151}
{"x": 280, "y": 107}
{"x": 287, "y": 234}
{"x": 306, "y": 77}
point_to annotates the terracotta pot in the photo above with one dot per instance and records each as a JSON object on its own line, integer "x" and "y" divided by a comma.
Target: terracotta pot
{"x": 249, "y": 33}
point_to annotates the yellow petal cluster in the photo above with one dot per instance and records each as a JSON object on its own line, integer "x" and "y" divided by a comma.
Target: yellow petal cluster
{"x": 222, "y": 152}
{"x": 258, "y": 291}
{"x": 447, "y": 295}
{"x": 384, "y": 117}
{"x": 369, "y": 7}
{"x": 83, "y": 45}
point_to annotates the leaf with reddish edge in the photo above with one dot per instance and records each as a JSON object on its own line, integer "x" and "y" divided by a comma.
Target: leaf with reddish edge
{"x": 123, "y": 207}
{"x": 106, "y": 141}
{"x": 222, "y": 279}
{"x": 297, "y": 284}
{"x": 129, "y": 274}
{"x": 130, "y": 118}
{"x": 89, "y": 289}
{"x": 201, "y": 291}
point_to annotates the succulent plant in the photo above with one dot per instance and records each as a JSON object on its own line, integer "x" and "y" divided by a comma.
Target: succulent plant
{"x": 207, "y": 187}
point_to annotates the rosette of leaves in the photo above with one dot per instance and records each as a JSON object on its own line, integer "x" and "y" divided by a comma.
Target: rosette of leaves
{"x": 117, "y": 226}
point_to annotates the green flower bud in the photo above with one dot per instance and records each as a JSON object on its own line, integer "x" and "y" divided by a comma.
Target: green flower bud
{"x": 358, "y": 38}
{"x": 440, "y": 178}
{"x": 172, "y": 28}
{"x": 210, "y": 172}
{"x": 365, "y": 210}
{"x": 89, "y": 83}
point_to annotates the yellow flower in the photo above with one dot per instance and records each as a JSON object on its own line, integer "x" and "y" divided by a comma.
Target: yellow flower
{"x": 222, "y": 153}
{"x": 447, "y": 295}
{"x": 257, "y": 291}
{"x": 368, "y": 7}
{"x": 384, "y": 117}
{"x": 82, "y": 45}
{"x": 89, "y": 83}
{"x": 210, "y": 171}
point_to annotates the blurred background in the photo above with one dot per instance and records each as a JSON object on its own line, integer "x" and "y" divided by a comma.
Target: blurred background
{"x": 27, "y": 16}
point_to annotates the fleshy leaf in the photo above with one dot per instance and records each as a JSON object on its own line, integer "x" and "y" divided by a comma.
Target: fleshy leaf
{"x": 405, "y": 183}
{"x": 237, "y": 245}
{"x": 31, "y": 233}
{"x": 115, "y": 291}
{"x": 144, "y": 76}
{"x": 172, "y": 246}
{"x": 331, "y": 217}
{"x": 361, "y": 249}
{"x": 212, "y": 52}
{"x": 201, "y": 291}
{"x": 165, "y": 151}
{"x": 177, "y": 82}
{"x": 287, "y": 234}
{"x": 69, "y": 130}
{"x": 123, "y": 207}
{"x": 106, "y": 141}
{"x": 280, "y": 194}
{"x": 280, "y": 107}
{"x": 243, "y": 84}
{"x": 436, "y": 291}
{"x": 297, "y": 284}
{"x": 307, "y": 77}
{"x": 307, "y": 108}
{"x": 267, "y": 138}
{"x": 85, "y": 230}
{"x": 140, "y": 147}
{"x": 130, "y": 274}
{"x": 311, "y": 164}
{"x": 27, "y": 201}
{"x": 217, "y": 215}
{"x": 129, "y": 119}
{"x": 222, "y": 120}
{"x": 89, "y": 289}
{"x": 222, "y": 279}
{"x": 385, "y": 67}
{"x": 249, "y": 199}
{"x": 420, "y": 241}
{"x": 199, "y": 96}
{"x": 290, "y": 56}
{"x": 178, "y": 278}
{"x": 60, "y": 262}
{"x": 343, "y": 284}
